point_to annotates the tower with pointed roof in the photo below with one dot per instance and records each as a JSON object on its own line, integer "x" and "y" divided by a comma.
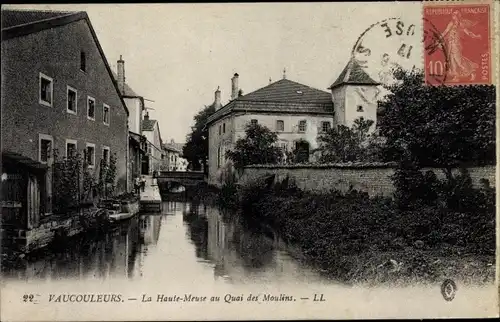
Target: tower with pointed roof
{"x": 354, "y": 95}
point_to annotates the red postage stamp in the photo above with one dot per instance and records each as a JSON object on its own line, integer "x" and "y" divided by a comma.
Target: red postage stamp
{"x": 457, "y": 44}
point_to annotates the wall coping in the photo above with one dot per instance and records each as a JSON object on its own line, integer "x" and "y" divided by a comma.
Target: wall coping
{"x": 347, "y": 165}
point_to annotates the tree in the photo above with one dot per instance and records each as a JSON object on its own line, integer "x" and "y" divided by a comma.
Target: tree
{"x": 344, "y": 144}
{"x": 441, "y": 126}
{"x": 257, "y": 147}
{"x": 196, "y": 148}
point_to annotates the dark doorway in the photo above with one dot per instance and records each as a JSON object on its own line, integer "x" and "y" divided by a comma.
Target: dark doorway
{"x": 145, "y": 165}
{"x": 301, "y": 151}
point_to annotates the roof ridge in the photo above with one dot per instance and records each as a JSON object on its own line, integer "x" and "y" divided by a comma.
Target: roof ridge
{"x": 353, "y": 73}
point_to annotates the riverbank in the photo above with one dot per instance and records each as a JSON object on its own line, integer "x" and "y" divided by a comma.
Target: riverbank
{"x": 353, "y": 238}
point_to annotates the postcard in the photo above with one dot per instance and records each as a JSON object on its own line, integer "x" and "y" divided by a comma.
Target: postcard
{"x": 248, "y": 161}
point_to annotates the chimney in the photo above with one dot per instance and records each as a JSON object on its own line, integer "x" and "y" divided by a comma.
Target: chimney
{"x": 234, "y": 86}
{"x": 146, "y": 116}
{"x": 217, "y": 102}
{"x": 121, "y": 75}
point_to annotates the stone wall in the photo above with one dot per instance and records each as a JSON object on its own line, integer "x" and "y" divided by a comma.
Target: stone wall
{"x": 375, "y": 179}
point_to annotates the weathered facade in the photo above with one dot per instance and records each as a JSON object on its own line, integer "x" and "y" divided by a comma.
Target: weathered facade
{"x": 154, "y": 157}
{"x": 296, "y": 112}
{"x": 55, "y": 98}
{"x": 137, "y": 149}
{"x": 173, "y": 160}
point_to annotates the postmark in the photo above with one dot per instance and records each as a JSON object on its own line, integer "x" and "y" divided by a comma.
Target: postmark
{"x": 448, "y": 289}
{"x": 457, "y": 43}
{"x": 386, "y": 46}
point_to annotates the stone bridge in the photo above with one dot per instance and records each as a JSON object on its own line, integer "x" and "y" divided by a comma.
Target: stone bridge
{"x": 169, "y": 179}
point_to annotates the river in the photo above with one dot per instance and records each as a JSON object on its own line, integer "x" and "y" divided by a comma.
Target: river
{"x": 191, "y": 250}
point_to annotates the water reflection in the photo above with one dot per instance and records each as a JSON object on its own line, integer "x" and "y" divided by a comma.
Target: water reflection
{"x": 89, "y": 257}
{"x": 141, "y": 247}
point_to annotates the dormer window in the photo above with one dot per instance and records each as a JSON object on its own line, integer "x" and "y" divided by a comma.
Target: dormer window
{"x": 83, "y": 61}
{"x": 360, "y": 108}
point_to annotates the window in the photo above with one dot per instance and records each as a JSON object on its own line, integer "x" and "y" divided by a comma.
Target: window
{"x": 280, "y": 125}
{"x": 83, "y": 63}
{"x": 90, "y": 154}
{"x": 220, "y": 129}
{"x": 45, "y": 143}
{"x": 105, "y": 154}
{"x": 254, "y": 122}
{"x": 46, "y": 90}
{"x": 105, "y": 114}
{"x": 325, "y": 126}
{"x": 72, "y": 100}
{"x": 71, "y": 148}
{"x": 224, "y": 128}
{"x": 218, "y": 157}
{"x": 360, "y": 108}
{"x": 302, "y": 126}
{"x": 90, "y": 108}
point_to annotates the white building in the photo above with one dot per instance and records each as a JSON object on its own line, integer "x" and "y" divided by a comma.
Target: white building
{"x": 296, "y": 112}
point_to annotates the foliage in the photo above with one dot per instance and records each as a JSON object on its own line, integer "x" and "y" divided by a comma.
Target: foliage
{"x": 75, "y": 184}
{"x": 196, "y": 148}
{"x": 344, "y": 144}
{"x": 106, "y": 184}
{"x": 437, "y": 125}
{"x": 257, "y": 147}
{"x": 72, "y": 182}
{"x": 334, "y": 230}
{"x": 228, "y": 194}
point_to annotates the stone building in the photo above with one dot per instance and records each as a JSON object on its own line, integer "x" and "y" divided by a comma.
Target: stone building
{"x": 153, "y": 159}
{"x": 173, "y": 160}
{"x": 58, "y": 94}
{"x": 137, "y": 142}
{"x": 296, "y": 112}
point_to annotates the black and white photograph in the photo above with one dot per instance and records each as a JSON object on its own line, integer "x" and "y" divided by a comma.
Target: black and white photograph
{"x": 249, "y": 161}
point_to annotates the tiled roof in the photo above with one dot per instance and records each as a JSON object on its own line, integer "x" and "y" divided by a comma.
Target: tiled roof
{"x": 12, "y": 18}
{"x": 283, "y": 96}
{"x": 127, "y": 90}
{"x": 148, "y": 124}
{"x": 353, "y": 73}
{"x": 176, "y": 147}
{"x": 286, "y": 90}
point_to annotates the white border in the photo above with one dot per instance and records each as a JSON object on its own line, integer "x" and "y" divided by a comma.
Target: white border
{"x": 69, "y": 88}
{"x": 40, "y": 76}
{"x": 87, "y": 145}
{"x": 90, "y": 98}
{"x": 48, "y": 138}
{"x": 104, "y": 147}
{"x": 278, "y": 130}
{"x": 298, "y": 126}
{"x": 75, "y": 142}
{"x": 109, "y": 114}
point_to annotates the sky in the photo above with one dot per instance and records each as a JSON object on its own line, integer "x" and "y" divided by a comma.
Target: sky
{"x": 178, "y": 54}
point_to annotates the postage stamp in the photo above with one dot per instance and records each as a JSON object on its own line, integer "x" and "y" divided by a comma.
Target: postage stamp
{"x": 457, "y": 43}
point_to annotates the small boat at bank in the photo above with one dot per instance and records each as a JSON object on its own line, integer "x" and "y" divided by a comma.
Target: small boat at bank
{"x": 118, "y": 211}
{"x": 117, "y": 216}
